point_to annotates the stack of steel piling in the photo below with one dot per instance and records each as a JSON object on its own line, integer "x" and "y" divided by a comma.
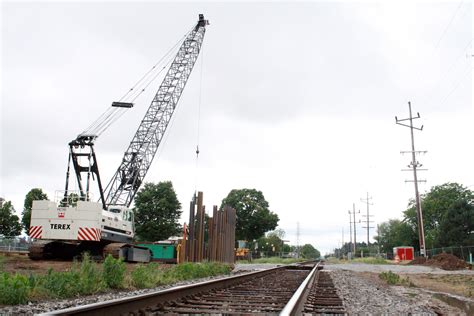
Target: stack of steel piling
{"x": 220, "y": 234}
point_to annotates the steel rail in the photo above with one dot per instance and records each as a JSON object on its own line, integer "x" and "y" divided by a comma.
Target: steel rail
{"x": 296, "y": 302}
{"x": 132, "y": 304}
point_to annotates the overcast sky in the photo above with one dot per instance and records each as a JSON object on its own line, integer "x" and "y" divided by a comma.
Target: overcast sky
{"x": 297, "y": 100}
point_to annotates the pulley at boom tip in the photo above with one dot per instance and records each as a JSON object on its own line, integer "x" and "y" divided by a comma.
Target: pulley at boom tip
{"x": 201, "y": 21}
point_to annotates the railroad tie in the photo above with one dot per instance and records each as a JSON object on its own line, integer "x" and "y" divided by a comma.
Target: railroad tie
{"x": 323, "y": 297}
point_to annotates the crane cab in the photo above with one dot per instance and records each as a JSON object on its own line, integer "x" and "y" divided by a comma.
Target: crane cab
{"x": 117, "y": 224}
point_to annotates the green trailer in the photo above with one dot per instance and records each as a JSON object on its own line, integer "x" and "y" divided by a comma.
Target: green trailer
{"x": 162, "y": 252}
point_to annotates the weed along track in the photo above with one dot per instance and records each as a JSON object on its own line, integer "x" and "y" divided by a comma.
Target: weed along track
{"x": 281, "y": 290}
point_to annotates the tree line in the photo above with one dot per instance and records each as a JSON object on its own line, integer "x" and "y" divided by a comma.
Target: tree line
{"x": 448, "y": 221}
{"x": 157, "y": 211}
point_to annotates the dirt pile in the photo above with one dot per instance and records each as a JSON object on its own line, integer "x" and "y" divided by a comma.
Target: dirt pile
{"x": 443, "y": 261}
{"x": 418, "y": 260}
{"x": 447, "y": 261}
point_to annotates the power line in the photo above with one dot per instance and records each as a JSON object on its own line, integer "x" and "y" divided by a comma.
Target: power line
{"x": 421, "y": 75}
{"x": 429, "y": 96}
{"x": 449, "y": 24}
{"x": 456, "y": 86}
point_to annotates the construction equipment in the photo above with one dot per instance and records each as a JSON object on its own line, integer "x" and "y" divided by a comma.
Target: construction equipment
{"x": 242, "y": 252}
{"x": 73, "y": 223}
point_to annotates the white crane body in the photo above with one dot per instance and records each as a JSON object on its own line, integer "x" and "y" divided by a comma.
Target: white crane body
{"x": 74, "y": 223}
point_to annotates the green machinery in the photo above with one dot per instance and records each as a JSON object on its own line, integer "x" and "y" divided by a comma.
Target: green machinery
{"x": 163, "y": 252}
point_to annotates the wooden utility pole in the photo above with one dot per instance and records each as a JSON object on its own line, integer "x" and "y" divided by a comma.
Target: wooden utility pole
{"x": 355, "y": 230}
{"x": 350, "y": 232}
{"x": 353, "y": 213}
{"x": 368, "y": 221}
{"x": 414, "y": 164}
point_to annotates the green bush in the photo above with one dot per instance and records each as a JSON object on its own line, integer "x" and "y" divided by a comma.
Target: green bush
{"x": 91, "y": 280}
{"x": 395, "y": 279}
{"x": 2, "y": 263}
{"x": 188, "y": 270}
{"x": 144, "y": 276}
{"x": 61, "y": 284}
{"x": 84, "y": 278}
{"x": 390, "y": 277}
{"x": 114, "y": 272}
{"x": 14, "y": 289}
{"x": 87, "y": 278}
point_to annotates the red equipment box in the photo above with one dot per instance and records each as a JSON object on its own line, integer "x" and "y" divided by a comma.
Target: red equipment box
{"x": 404, "y": 253}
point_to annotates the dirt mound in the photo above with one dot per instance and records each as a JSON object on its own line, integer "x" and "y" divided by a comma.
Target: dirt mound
{"x": 447, "y": 261}
{"x": 443, "y": 261}
{"x": 418, "y": 260}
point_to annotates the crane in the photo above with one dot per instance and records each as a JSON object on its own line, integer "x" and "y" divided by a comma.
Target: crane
{"x": 76, "y": 223}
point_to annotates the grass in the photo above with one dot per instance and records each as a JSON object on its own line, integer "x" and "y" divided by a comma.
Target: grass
{"x": 147, "y": 276}
{"x": 13, "y": 288}
{"x": 394, "y": 279}
{"x": 88, "y": 277}
{"x": 372, "y": 260}
{"x": 367, "y": 260}
{"x": 274, "y": 260}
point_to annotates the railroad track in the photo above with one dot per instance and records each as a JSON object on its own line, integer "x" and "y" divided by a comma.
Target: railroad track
{"x": 287, "y": 290}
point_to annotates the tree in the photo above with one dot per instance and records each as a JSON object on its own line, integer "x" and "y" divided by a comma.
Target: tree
{"x": 395, "y": 233}
{"x": 9, "y": 223}
{"x": 254, "y": 218}
{"x": 34, "y": 195}
{"x": 272, "y": 242}
{"x": 309, "y": 252}
{"x": 157, "y": 211}
{"x": 443, "y": 207}
{"x": 457, "y": 225}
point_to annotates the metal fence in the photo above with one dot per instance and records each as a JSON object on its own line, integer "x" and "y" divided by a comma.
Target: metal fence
{"x": 14, "y": 244}
{"x": 463, "y": 252}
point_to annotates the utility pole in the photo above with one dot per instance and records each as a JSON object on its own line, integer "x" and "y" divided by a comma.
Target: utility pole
{"x": 350, "y": 234}
{"x": 414, "y": 164}
{"x": 355, "y": 230}
{"x": 342, "y": 244}
{"x": 367, "y": 221}
{"x": 297, "y": 239}
{"x": 353, "y": 213}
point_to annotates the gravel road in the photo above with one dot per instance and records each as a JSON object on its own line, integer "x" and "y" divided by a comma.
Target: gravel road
{"x": 364, "y": 293}
{"x": 408, "y": 269}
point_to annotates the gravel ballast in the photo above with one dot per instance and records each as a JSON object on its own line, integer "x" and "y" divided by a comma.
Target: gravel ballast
{"x": 364, "y": 293}
{"x": 360, "y": 294}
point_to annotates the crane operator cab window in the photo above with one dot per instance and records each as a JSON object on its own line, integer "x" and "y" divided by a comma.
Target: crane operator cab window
{"x": 115, "y": 210}
{"x": 127, "y": 215}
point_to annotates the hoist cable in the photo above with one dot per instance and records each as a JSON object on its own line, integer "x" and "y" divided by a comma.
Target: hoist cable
{"x": 111, "y": 115}
{"x": 138, "y": 92}
{"x": 116, "y": 117}
{"x": 199, "y": 120}
{"x": 155, "y": 65}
